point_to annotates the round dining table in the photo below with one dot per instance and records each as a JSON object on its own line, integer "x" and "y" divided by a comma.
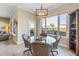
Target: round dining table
{"x": 47, "y": 40}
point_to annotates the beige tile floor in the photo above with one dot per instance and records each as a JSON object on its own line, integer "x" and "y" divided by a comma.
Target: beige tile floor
{"x": 17, "y": 50}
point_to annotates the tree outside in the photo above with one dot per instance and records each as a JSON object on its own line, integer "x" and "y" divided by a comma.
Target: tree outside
{"x": 51, "y": 26}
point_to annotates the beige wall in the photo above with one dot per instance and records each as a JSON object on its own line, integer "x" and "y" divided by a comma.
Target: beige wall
{"x": 4, "y": 22}
{"x": 65, "y": 8}
{"x": 13, "y": 16}
{"x": 25, "y": 21}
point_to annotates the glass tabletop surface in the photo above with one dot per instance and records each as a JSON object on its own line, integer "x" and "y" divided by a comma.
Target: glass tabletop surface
{"x": 48, "y": 39}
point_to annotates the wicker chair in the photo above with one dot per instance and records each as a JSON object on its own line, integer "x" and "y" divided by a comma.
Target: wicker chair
{"x": 26, "y": 42}
{"x": 40, "y": 49}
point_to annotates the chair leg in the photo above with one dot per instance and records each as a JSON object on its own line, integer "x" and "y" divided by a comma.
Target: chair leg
{"x": 52, "y": 52}
{"x": 56, "y": 52}
{"x": 28, "y": 50}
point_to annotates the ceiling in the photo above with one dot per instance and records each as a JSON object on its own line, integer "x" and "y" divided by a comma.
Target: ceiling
{"x": 6, "y": 8}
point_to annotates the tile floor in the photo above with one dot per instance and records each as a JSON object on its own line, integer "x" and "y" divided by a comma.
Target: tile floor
{"x": 17, "y": 50}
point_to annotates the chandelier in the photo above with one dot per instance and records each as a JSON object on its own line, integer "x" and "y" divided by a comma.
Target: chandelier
{"x": 41, "y": 12}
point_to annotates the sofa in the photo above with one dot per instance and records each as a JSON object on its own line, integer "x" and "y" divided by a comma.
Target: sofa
{"x": 4, "y": 36}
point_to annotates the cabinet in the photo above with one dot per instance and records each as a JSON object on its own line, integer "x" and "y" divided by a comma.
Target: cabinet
{"x": 74, "y": 31}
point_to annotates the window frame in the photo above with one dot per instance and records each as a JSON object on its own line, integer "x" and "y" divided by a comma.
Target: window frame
{"x": 58, "y": 23}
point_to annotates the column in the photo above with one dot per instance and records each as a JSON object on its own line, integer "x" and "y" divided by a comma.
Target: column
{"x": 38, "y": 27}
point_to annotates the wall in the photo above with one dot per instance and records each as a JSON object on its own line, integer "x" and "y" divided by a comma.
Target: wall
{"x": 65, "y": 8}
{"x": 25, "y": 22}
{"x": 13, "y": 16}
{"x": 4, "y": 24}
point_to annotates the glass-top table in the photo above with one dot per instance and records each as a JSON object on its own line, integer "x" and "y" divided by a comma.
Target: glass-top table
{"x": 48, "y": 39}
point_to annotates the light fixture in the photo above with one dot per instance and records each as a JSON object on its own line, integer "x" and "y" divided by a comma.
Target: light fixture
{"x": 6, "y": 27}
{"x": 41, "y": 12}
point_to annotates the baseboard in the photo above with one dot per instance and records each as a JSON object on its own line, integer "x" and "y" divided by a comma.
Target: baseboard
{"x": 19, "y": 42}
{"x": 64, "y": 45}
{"x": 15, "y": 41}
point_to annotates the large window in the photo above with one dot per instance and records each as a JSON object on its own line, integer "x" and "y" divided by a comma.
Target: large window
{"x": 52, "y": 25}
{"x": 62, "y": 24}
{"x": 55, "y": 25}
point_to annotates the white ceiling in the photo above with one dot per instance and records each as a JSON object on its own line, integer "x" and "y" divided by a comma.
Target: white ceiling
{"x": 6, "y": 8}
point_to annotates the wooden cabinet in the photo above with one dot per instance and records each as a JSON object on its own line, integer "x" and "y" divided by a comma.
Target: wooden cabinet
{"x": 74, "y": 31}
